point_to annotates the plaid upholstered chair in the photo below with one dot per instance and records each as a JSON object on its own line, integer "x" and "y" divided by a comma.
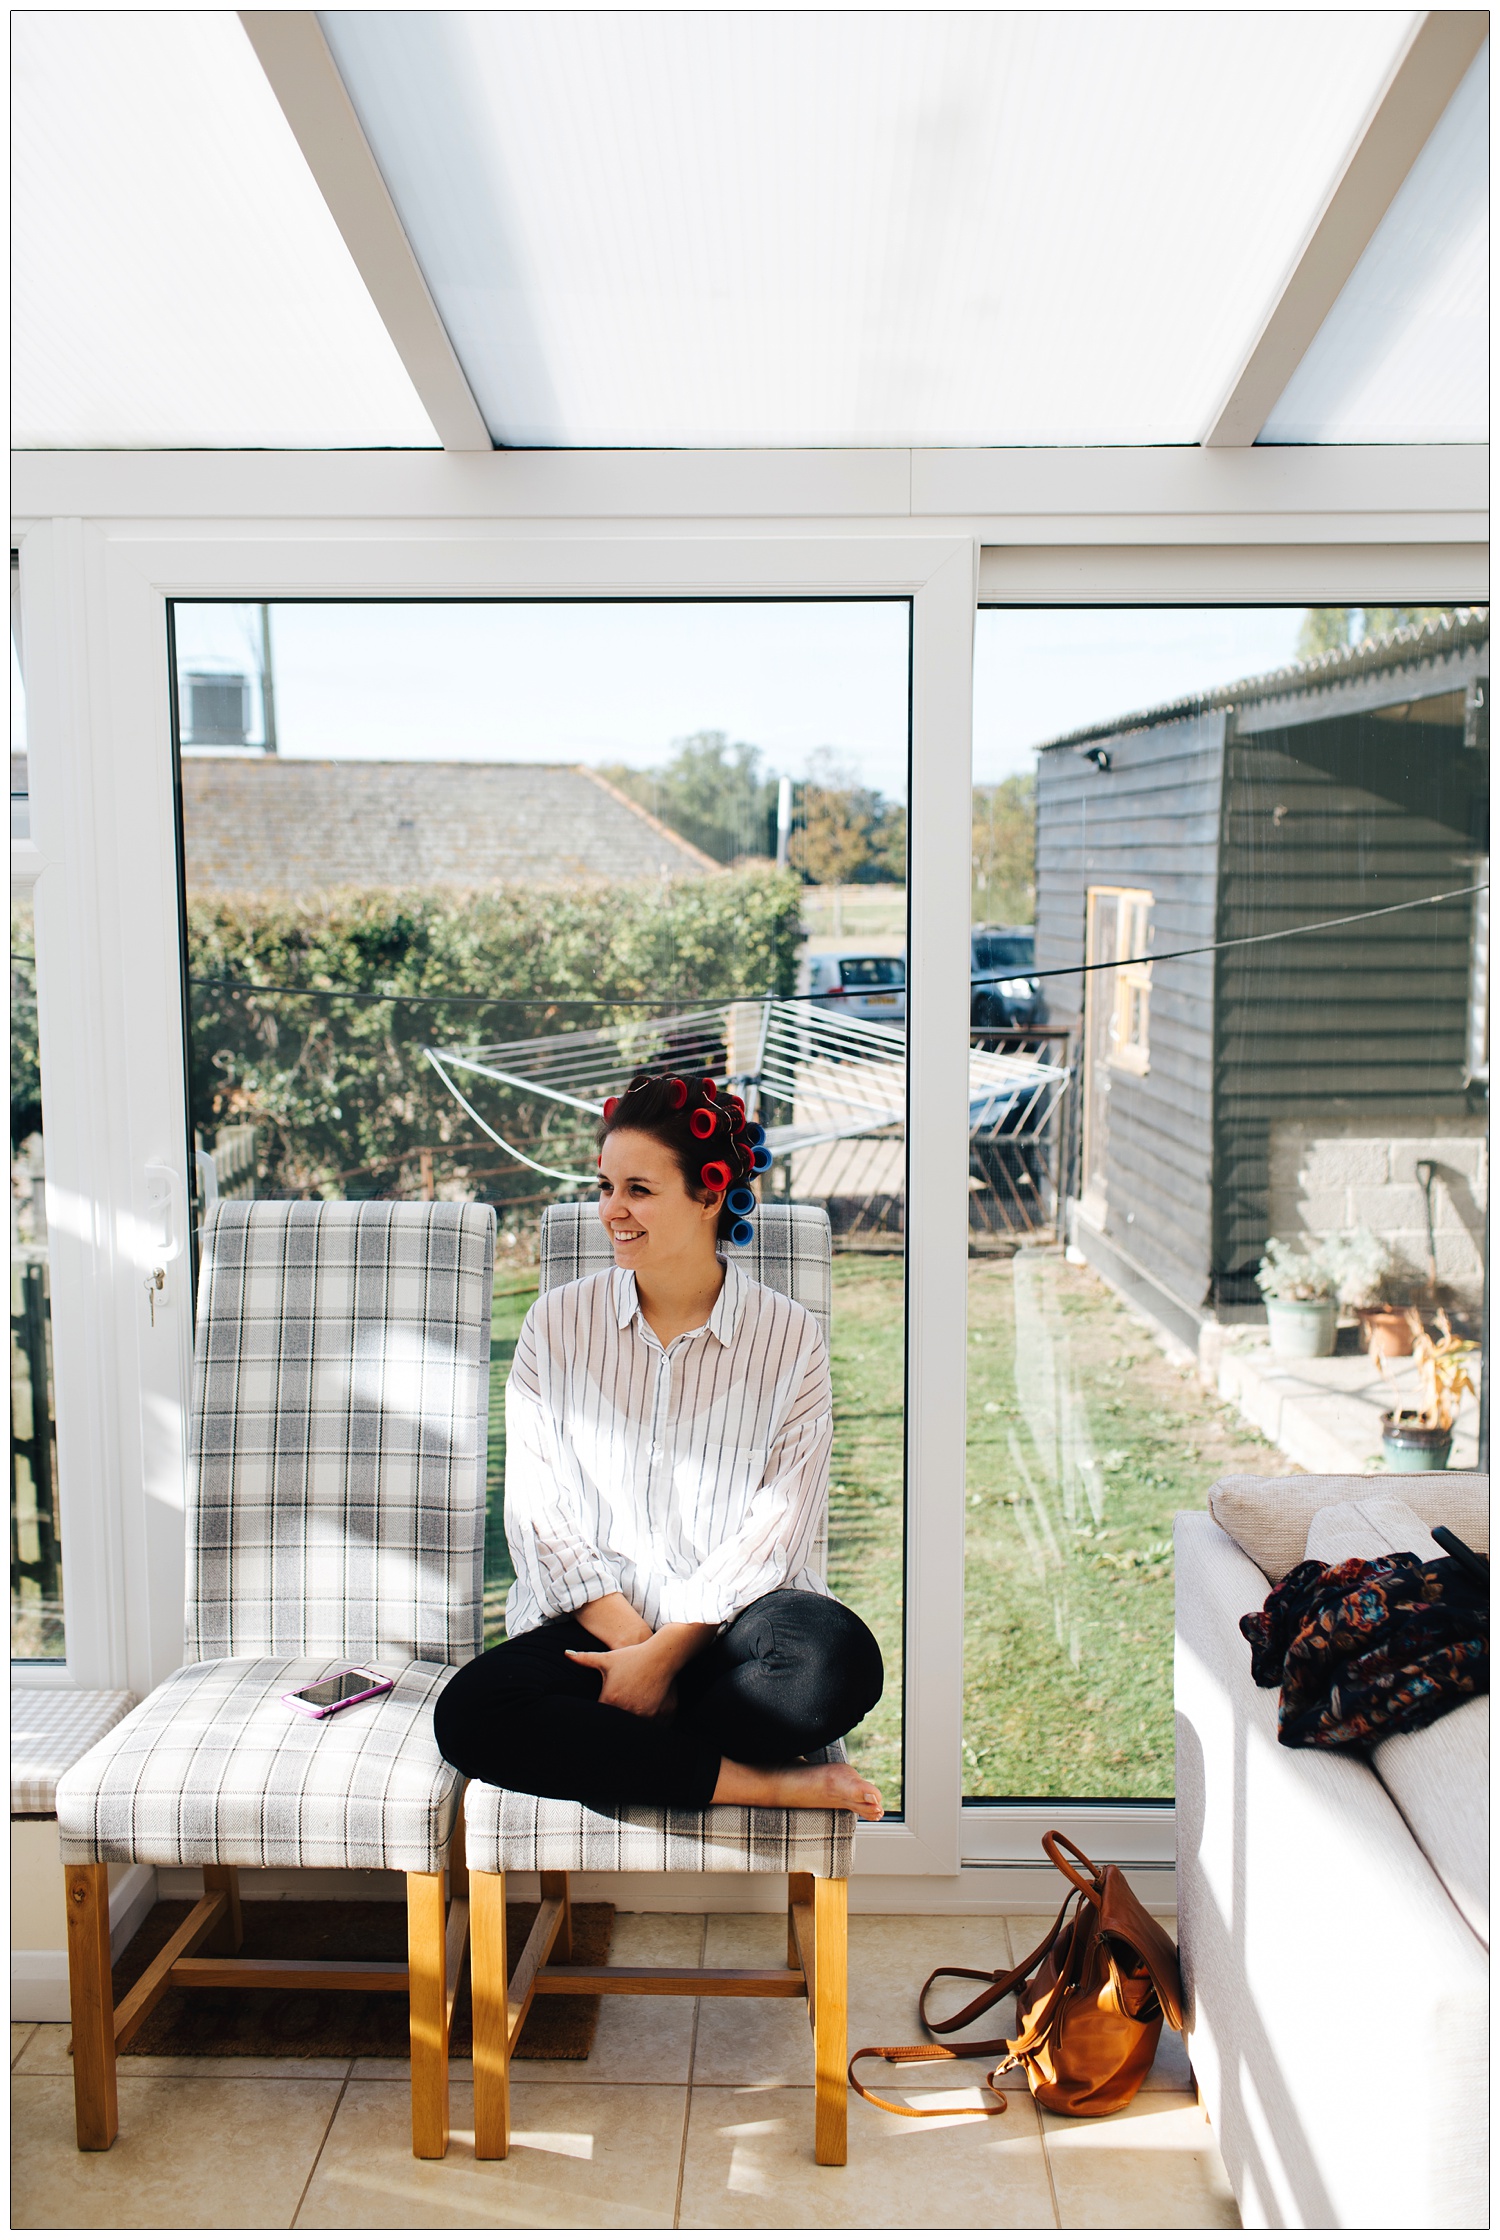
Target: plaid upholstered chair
{"x": 509, "y": 1833}
{"x": 335, "y": 1516}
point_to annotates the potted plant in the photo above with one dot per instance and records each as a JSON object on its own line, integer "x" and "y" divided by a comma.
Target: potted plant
{"x": 1301, "y": 1306}
{"x": 1422, "y": 1438}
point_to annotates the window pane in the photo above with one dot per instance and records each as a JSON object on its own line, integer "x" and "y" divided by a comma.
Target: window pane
{"x": 454, "y": 870}
{"x": 36, "y": 1595}
{"x": 1304, "y": 1080}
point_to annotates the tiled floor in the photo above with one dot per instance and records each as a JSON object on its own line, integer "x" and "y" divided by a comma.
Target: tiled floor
{"x": 685, "y": 2116}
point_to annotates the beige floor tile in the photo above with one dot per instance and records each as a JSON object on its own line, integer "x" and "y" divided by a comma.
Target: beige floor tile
{"x": 583, "y": 2157}
{"x": 20, "y": 2037}
{"x": 47, "y": 2056}
{"x": 1154, "y": 2165}
{"x": 754, "y": 2042}
{"x": 191, "y": 2153}
{"x": 750, "y": 2166}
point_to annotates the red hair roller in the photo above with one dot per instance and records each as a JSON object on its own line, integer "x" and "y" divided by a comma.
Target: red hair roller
{"x": 716, "y": 1176}
{"x": 703, "y": 1123}
{"x": 708, "y": 1088}
{"x": 679, "y": 1092}
{"x": 611, "y": 1107}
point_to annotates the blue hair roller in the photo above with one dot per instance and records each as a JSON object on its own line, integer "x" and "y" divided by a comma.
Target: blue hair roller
{"x": 754, "y": 1131}
{"x": 741, "y": 1200}
{"x": 760, "y": 1158}
{"x": 742, "y": 1233}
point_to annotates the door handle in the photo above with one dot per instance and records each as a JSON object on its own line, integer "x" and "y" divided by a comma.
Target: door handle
{"x": 166, "y": 1229}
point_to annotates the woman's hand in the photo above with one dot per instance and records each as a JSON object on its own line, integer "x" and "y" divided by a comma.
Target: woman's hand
{"x": 638, "y": 1678}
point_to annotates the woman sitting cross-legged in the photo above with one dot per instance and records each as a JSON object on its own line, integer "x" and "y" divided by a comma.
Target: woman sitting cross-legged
{"x": 668, "y": 1426}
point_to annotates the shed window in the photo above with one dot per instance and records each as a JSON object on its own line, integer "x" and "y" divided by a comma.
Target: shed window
{"x": 1131, "y": 1036}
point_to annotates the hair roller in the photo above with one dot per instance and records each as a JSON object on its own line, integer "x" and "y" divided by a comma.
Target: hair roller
{"x": 708, "y": 1088}
{"x": 742, "y": 1233}
{"x": 716, "y": 1176}
{"x": 754, "y": 1133}
{"x": 677, "y": 1093}
{"x": 703, "y": 1123}
{"x": 760, "y": 1159}
{"x": 741, "y": 1199}
{"x": 611, "y": 1107}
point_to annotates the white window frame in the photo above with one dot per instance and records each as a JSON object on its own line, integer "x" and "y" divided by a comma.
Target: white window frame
{"x": 107, "y": 539}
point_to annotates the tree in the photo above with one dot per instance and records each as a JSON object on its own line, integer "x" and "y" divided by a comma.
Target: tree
{"x": 832, "y": 843}
{"x": 1329, "y": 629}
{"x": 714, "y": 794}
{"x": 1004, "y": 852}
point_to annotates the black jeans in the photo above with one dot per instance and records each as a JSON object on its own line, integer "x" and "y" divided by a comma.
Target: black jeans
{"x": 793, "y": 1672}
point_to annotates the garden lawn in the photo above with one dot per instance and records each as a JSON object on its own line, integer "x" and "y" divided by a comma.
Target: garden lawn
{"x": 1083, "y": 1439}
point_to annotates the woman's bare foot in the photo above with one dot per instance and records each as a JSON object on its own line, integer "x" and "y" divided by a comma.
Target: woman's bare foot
{"x": 837, "y": 1788}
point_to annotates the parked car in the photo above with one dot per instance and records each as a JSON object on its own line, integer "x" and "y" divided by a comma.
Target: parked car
{"x": 1002, "y": 990}
{"x": 859, "y": 987}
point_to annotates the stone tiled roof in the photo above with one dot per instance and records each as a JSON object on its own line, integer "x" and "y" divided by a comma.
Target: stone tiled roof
{"x": 257, "y": 824}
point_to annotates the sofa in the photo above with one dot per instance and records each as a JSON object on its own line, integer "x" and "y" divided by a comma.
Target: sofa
{"x": 1331, "y": 1904}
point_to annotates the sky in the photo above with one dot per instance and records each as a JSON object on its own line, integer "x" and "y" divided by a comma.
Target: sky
{"x": 602, "y": 682}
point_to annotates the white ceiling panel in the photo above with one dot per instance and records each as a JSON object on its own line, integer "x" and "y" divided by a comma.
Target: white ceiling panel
{"x": 1403, "y": 356}
{"x": 978, "y": 227}
{"x": 177, "y": 278}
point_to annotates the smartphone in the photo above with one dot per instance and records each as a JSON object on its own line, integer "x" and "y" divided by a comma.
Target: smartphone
{"x": 321, "y": 1697}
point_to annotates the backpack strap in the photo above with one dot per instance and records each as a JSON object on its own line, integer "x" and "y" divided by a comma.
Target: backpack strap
{"x": 899, "y": 2054}
{"x": 999, "y": 1983}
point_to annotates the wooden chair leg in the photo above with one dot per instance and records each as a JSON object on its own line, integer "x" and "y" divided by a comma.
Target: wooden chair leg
{"x": 91, "y": 1995}
{"x": 799, "y": 1899}
{"x": 490, "y": 1981}
{"x": 555, "y": 1885}
{"x": 831, "y": 2019}
{"x": 426, "y": 1960}
{"x": 231, "y": 1936}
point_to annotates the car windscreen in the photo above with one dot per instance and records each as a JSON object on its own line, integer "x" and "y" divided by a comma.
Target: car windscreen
{"x": 872, "y": 972}
{"x": 1004, "y": 952}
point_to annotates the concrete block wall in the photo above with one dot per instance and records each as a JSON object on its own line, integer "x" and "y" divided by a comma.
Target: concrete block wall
{"x": 1344, "y": 1173}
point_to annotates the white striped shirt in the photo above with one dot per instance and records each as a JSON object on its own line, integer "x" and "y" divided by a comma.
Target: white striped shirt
{"x": 690, "y": 1479}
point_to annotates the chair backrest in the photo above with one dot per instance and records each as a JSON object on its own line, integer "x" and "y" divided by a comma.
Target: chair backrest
{"x": 792, "y": 1252}
{"x": 336, "y": 1482}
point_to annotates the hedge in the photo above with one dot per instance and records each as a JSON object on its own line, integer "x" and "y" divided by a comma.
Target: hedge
{"x": 342, "y": 1100}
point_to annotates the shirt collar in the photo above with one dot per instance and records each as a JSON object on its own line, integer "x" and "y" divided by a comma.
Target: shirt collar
{"x": 726, "y": 1308}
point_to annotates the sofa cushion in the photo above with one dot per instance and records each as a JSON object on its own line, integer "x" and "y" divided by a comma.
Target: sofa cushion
{"x": 1376, "y": 1524}
{"x": 1438, "y": 1778}
{"x": 1269, "y": 1517}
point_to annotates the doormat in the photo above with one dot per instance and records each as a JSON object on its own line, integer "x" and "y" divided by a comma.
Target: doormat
{"x": 345, "y": 2025}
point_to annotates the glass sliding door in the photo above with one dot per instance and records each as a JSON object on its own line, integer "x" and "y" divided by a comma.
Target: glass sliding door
{"x": 454, "y": 869}
{"x": 1246, "y": 850}
{"x": 36, "y": 1584}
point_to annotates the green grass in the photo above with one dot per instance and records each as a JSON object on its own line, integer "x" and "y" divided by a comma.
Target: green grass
{"x": 1082, "y": 1442}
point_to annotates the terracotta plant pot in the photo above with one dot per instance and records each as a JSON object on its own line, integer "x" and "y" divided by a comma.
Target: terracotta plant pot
{"x": 1412, "y": 1445}
{"x": 1386, "y": 1332}
{"x": 1302, "y": 1329}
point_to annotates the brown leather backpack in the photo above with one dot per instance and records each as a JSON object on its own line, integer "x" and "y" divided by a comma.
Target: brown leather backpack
{"x": 1088, "y": 2021}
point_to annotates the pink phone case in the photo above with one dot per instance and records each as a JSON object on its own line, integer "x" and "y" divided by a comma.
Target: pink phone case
{"x": 326, "y": 1710}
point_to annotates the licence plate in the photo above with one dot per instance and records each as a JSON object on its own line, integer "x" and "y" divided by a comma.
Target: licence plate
{"x": 881, "y": 999}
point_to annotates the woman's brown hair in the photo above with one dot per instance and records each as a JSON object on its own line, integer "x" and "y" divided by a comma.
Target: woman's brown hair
{"x": 705, "y": 1128}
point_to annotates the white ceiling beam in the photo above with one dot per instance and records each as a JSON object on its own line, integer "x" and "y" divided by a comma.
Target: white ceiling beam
{"x": 1423, "y": 80}
{"x": 305, "y": 80}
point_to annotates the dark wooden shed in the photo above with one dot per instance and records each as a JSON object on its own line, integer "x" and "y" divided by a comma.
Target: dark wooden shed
{"x": 1292, "y": 1084}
